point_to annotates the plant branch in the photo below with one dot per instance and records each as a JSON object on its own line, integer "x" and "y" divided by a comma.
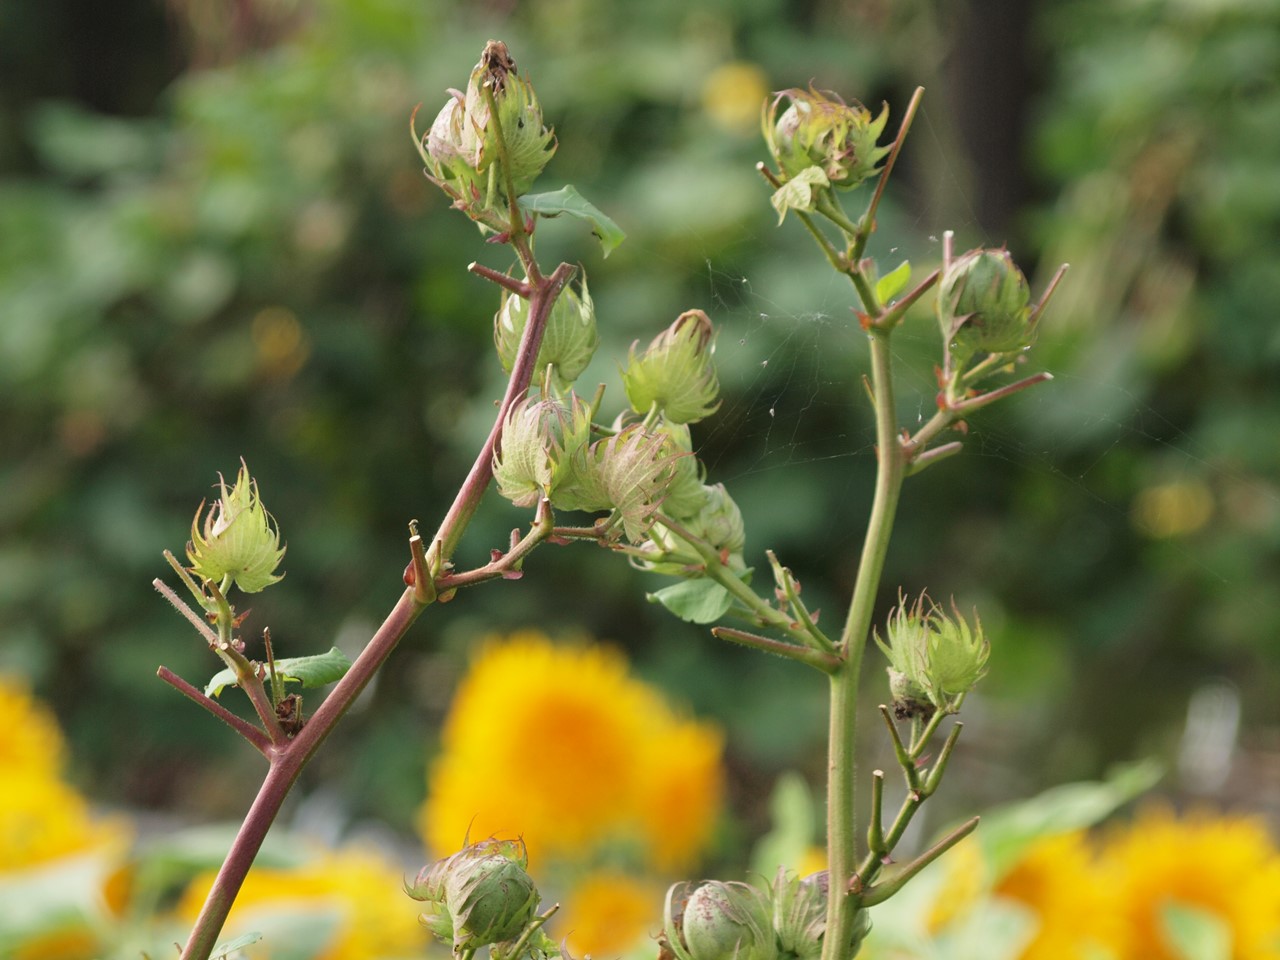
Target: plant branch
{"x": 883, "y": 891}
{"x": 286, "y": 763}
{"x": 504, "y": 564}
{"x": 868, "y": 225}
{"x": 247, "y": 730}
{"x": 825, "y": 662}
{"x": 842, "y": 733}
{"x": 542, "y": 298}
{"x": 193, "y": 618}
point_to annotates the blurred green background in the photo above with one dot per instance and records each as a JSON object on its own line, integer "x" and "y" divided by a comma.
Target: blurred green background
{"x": 216, "y": 241}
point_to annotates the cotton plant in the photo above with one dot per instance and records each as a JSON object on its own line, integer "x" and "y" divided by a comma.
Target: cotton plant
{"x": 656, "y": 506}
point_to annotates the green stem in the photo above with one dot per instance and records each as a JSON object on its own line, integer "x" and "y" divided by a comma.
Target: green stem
{"x": 842, "y": 828}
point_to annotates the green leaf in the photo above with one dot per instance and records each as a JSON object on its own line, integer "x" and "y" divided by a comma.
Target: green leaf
{"x": 1196, "y": 934}
{"x": 893, "y": 283}
{"x": 1007, "y": 832}
{"x": 568, "y": 200}
{"x": 224, "y": 950}
{"x": 798, "y": 192}
{"x": 313, "y": 671}
{"x": 697, "y": 601}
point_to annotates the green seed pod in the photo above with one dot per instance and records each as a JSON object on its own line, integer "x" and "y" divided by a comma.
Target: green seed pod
{"x": 568, "y": 343}
{"x": 491, "y": 899}
{"x": 818, "y": 129}
{"x": 461, "y": 149}
{"x": 800, "y": 915}
{"x": 628, "y": 472}
{"x": 934, "y": 660}
{"x": 685, "y": 495}
{"x": 984, "y": 305}
{"x": 539, "y": 448}
{"x": 719, "y": 522}
{"x": 239, "y": 541}
{"x": 675, "y": 373}
{"x": 479, "y": 895}
{"x": 719, "y": 921}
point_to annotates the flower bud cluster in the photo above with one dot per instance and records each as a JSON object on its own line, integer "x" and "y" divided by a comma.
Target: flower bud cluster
{"x": 715, "y": 920}
{"x": 462, "y": 150}
{"x": 239, "y": 542}
{"x": 984, "y": 306}
{"x": 479, "y": 896}
{"x": 641, "y": 467}
{"x": 934, "y": 659}
{"x": 568, "y": 342}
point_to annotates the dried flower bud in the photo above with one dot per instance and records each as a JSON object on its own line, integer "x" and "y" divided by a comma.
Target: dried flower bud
{"x": 239, "y": 542}
{"x": 481, "y": 895}
{"x": 461, "y": 149}
{"x": 675, "y": 373}
{"x": 540, "y": 443}
{"x": 818, "y": 129}
{"x": 568, "y": 343}
{"x": 718, "y": 921}
{"x": 628, "y": 472}
{"x": 934, "y": 660}
{"x": 800, "y": 915}
{"x": 984, "y": 305}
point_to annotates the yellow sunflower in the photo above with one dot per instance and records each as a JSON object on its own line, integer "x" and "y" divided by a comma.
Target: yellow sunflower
{"x": 560, "y": 746}
{"x": 43, "y": 819}
{"x": 1058, "y": 880}
{"x": 32, "y": 741}
{"x": 1227, "y": 866}
{"x": 609, "y": 913}
{"x": 352, "y": 901}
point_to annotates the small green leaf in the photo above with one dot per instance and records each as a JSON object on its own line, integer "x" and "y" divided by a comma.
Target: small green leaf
{"x": 696, "y": 601}
{"x": 224, "y": 950}
{"x": 798, "y": 192}
{"x": 893, "y": 283}
{"x": 313, "y": 671}
{"x": 568, "y": 200}
{"x": 1196, "y": 934}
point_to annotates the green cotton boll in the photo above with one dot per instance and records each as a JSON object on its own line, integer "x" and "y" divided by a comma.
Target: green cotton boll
{"x": 727, "y": 921}
{"x": 628, "y": 472}
{"x": 675, "y": 374}
{"x": 492, "y": 899}
{"x": 719, "y": 522}
{"x": 800, "y": 915}
{"x": 568, "y": 342}
{"x": 461, "y": 149}
{"x": 540, "y": 448}
{"x": 818, "y": 129}
{"x": 984, "y": 305}
{"x": 934, "y": 660}
{"x": 686, "y": 494}
{"x": 239, "y": 540}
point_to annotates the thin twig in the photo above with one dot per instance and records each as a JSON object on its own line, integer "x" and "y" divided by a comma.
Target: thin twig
{"x": 247, "y": 730}
{"x": 814, "y": 658}
{"x": 194, "y": 618}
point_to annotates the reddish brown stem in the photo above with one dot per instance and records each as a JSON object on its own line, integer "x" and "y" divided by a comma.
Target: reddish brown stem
{"x": 247, "y": 730}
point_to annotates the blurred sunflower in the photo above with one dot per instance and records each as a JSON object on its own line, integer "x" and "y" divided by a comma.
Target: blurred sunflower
{"x": 343, "y": 905}
{"x": 1057, "y": 879}
{"x": 42, "y": 819}
{"x": 1226, "y": 866}
{"x": 559, "y": 745}
{"x": 32, "y": 742}
{"x": 608, "y": 913}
